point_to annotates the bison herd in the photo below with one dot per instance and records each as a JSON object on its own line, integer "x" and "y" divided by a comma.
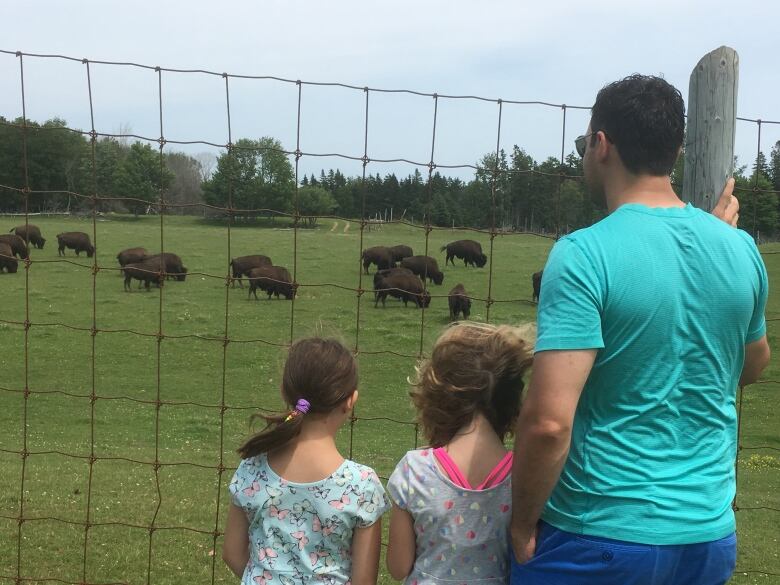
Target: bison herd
{"x": 399, "y": 272}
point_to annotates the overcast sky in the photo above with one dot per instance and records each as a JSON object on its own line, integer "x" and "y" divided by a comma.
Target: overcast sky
{"x": 556, "y": 51}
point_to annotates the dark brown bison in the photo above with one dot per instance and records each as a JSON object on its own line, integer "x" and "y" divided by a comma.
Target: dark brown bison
{"x": 459, "y": 302}
{"x": 146, "y": 271}
{"x": 379, "y": 255}
{"x": 172, "y": 264}
{"x": 7, "y": 259}
{"x": 17, "y": 245}
{"x": 467, "y": 250}
{"x": 131, "y": 256}
{"x": 76, "y": 241}
{"x": 380, "y": 274}
{"x": 536, "y": 282}
{"x": 424, "y": 266}
{"x": 31, "y": 234}
{"x": 275, "y": 280}
{"x": 243, "y": 264}
{"x": 400, "y": 252}
{"x": 407, "y": 287}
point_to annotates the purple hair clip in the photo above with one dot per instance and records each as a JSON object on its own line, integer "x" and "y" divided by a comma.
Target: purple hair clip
{"x": 301, "y": 407}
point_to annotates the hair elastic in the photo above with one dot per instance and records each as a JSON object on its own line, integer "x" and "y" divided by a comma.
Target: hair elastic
{"x": 301, "y": 407}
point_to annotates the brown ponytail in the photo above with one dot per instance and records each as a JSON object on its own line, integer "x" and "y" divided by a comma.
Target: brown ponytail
{"x": 320, "y": 370}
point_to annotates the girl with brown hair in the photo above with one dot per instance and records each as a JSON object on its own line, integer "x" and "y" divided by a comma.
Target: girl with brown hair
{"x": 299, "y": 510}
{"x": 452, "y": 499}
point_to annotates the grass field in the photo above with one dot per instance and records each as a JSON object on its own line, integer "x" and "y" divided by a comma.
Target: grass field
{"x": 194, "y": 434}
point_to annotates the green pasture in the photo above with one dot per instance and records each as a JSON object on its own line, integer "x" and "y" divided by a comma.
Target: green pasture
{"x": 194, "y": 372}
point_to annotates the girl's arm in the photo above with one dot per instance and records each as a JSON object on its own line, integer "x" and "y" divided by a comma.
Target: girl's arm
{"x": 235, "y": 548}
{"x": 402, "y": 547}
{"x": 365, "y": 554}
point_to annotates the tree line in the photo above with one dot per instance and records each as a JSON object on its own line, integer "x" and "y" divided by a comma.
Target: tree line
{"x": 256, "y": 178}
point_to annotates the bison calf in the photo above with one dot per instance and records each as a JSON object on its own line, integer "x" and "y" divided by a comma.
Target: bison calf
{"x": 459, "y": 302}
{"x": 76, "y": 241}
{"x": 7, "y": 259}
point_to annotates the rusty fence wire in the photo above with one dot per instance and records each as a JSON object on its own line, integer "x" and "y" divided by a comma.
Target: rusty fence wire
{"x": 94, "y": 198}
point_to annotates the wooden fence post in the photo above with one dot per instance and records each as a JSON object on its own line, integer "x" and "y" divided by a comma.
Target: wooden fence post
{"x": 712, "y": 120}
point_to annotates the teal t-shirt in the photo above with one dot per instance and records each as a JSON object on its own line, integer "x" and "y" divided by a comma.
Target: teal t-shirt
{"x": 669, "y": 297}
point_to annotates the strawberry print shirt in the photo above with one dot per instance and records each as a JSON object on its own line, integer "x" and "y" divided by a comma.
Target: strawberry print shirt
{"x": 462, "y": 534}
{"x": 302, "y": 532}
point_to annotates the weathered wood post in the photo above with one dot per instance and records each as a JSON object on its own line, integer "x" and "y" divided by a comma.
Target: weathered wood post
{"x": 712, "y": 120}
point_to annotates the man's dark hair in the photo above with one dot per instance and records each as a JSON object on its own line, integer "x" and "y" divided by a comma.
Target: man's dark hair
{"x": 644, "y": 117}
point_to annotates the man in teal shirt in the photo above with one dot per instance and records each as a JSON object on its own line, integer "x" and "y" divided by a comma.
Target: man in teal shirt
{"x": 647, "y": 323}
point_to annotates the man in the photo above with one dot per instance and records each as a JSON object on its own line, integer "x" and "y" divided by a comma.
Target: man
{"x": 647, "y": 322}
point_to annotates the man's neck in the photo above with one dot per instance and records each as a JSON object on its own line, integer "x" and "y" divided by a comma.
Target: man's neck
{"x": 643, "y": 189}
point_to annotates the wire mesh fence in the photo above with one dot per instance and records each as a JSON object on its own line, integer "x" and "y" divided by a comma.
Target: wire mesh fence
{"x": 92, "y": 532}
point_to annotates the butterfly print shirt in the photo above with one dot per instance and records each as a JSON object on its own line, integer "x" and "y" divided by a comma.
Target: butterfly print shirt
{"x": 302, "y": 532}
{"x": 462, "y": 535}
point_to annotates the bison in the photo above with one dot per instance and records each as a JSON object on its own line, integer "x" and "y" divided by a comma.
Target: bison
{"x": 467, "y": 250}
{"x": 31, "y": 234}
{"x": 77, "y": 241}
{"x": 424, "y": 266}
{"x": 17, "y": 245}
{"x": 379, "y": 255}
{"x": 243, "y": 264}
{"x": 146, "y": 271}
{"x": 172, "y": 264}
{"x": 131, "y": 256}
{"x": 400, "y": 252}
{"x": 536, "y": 282}
{"x": 380, "y": 274}
{"x": 7, "y": 259}
{"x": 459, "y": 302}
{"x": 274, "y": 280}
{"x": 407, "y": 287}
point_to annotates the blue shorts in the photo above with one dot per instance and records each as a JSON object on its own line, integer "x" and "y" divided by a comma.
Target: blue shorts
{"x": 563, "y": 558}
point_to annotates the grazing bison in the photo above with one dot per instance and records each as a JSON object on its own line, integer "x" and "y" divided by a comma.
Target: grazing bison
{"x": 536, "y": 282}
{"x": 7, "y": 259}
{"x": 424, "y": 266}
{"x": 380, "y": 274}
{"x": 379, "y": 255}
{"x": 77, "y": 241}
{"x": 467, "y": 250}
{"x": 400, "y": 252}
{"x": 407, "y": 287}
{"x": 459, "y": 302}
{"x": 17, "y": 245}
{"x": 146, "y": 271}
{"x": 243, "y": 264}
{"x": 31, "y": 234}
{"x": 172, "y": 264}
{"x": 131, "y": 256}
{"x": 274, "y": 280}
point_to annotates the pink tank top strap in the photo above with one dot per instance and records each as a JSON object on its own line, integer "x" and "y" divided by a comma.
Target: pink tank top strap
{"x": 499, "y": 473}
{"x": 449, "y": 467}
